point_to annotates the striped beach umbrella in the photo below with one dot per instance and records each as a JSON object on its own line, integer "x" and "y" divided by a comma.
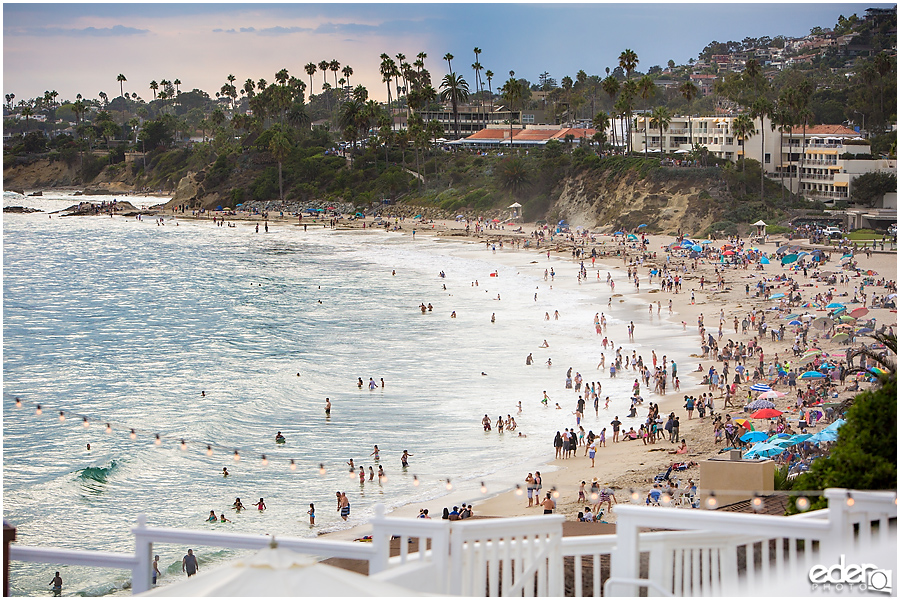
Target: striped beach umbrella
{"x": 812, "y": 375}
{"x": 760, "y": 387}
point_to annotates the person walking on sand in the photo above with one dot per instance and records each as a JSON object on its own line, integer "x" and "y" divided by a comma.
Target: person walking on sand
{"x": 190, "y": 564}
{"x": 616, "y": 423}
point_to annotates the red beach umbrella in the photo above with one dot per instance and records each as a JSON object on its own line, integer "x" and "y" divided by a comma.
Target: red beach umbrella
{"x": 859, "y": 312}
{"x": 765, "y": 413}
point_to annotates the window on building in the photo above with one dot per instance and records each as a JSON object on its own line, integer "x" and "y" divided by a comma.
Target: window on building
{"x": 768, "y": 158}
{"x": 528, "y": 118}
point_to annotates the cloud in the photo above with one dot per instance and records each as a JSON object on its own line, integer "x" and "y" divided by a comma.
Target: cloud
{"x": 278, "y": 30}
{"x": 247, "y": 29}
{"x": 114, "y": 31}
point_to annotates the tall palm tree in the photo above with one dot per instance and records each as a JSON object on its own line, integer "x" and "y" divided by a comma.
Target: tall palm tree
{"x": 601, "y": 123}
{"x": 448, "y": 57}
{"x": 249, "y": 88}
{"x": 479, "y": 87}
{"x": 782, "y": 119}
{"x": 610, "y": 85}
{"x": 628, "y": 94}
{"x": 490, "y": 75}
{"x": 387, "y": 75}
{"x": 743, "y": 129}
{"x": 280, "y": 147}
{"x": 323, "y": 66}
{"x": 647, "y": 89}
{"x": 282, "y": 77}
{"x": 512, "y": 92}
{"x": 628, "y": 60}
{"x": 760, "y": 109}
{"x": 661, "y": 118}
{"x": 121, "y": 79}
{"x": 177, "y": 83}
{"x": 334, "y": 66}
{"x": 689, "y": 91}
{"x": 310, "y": 69}
{"x": 455, "y": 89}
{"x": 27, "y": 112}
{"x": 347, "y": 71}
{"x": 154, "y": 86}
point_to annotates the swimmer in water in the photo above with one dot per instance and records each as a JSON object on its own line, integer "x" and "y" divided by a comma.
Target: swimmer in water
{"x": 238, "y": 505}
{"x": 212, "y": 517}
{"x": 493, "y": 317}
{"x": 549, "y": 362}
{"x": 376, "y": 453}
{"x": 404, "y": 460}
{"x": 453, "y": 315}
{"x": 327, "y": 407}
{"x": 224, "y": 471}
{"x": 352, "y": 467}
{"x": 545, "y": 344}
{"x": 261, "y": 505}
{"x": 362, "y": 475}
{"x": 279, "y": 439}
{"x": 312, "y": 514}
{"x": 529, "y": 359}
{"x": 371, "y": 473}
{"x": 222, "y": 518}
{"x": 359, "y": 383}
{"x": 381, "y": 475}
{"x": 520, "y": 407}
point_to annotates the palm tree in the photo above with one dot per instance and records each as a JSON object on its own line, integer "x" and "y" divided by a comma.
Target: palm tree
{"x": 387, "y": 74}
{"x": 512, "y": 91}
{"x": 347, "y": 72}
{"x": 280, "y": 147}
{"x": 26, "y": 112}
{"x": 783, "y": 120}
{"x": 334, "y": 66}
{"x": 689, "y": 91}
{"x": 476, "y": 66}
{"x": 249, "y": 88}
{"x": 455, "y": 89}
{"x": 121, "y": 79}
{"x": 610, "y": 85}
{"x": 448, "y": 57}
{"x": 177, "y": 83}
{"x": 310, "y": 69}
{"x": 626, "y": 102}
{"x": 743, "y": 129}
{"x": 154, "y": 86}
{"x": 661, "y": 118}
{"x": 760, "y": 109}
{"x": 600, "y": 123}
{"x": 647, "y": 89}
{"x": 282, "y": 77}
{"x": 323, "y": 66}
{"x": 490, "y": 75}
{"x": 628, "y": 60}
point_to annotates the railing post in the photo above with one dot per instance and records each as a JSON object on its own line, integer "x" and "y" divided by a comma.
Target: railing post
{"x": 625, "y": 562}
{"x": 143, "y": 553}
{"x": 381, "y": 542}
{"x": 840, "y": 536}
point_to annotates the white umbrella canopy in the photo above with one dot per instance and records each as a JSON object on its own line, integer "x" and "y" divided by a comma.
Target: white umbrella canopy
{"x": 514, "y": 205}
{"x": 279, "y": 572}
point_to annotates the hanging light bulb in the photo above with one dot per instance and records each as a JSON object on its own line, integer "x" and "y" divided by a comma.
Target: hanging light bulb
{"x": 594, "y": 496}
{"x": 293, "y": 465}
{"x": 108, "y": 428}
{"x": 158, "y": 440}
{"x": 802, "y": 503}
{"x": 183, "y": 446}
{"x": 665, "y": 499}
{"x": 518, "y": 490}
{"x": 757, "y": 503}
{"x": 850, "y": 500}
{"x": 449, "y": 485}
{"x": 483, "y": 488}
{"x": 237, "y": 456}
{"x": 321, "y": 469}
{"x": 265, "y": 461}
{"x": 85, "y": 423}
{"x": 711, "y": 501}
{"x": 132, "y": 435}
{"x": 208, "y": 450}
{"x": 38, "y": 410}
{"x": 18, "y": 402}
{"x": 62, "y": 416}
{"x": 415, "y": 481}
{"x": 382, "y": 478}
{"x": 555, "y": 492}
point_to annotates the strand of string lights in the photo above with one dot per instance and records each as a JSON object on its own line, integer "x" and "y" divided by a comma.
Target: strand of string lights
{"x": 635, "y": 495}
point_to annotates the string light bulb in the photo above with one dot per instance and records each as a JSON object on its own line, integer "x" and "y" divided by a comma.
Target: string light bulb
{"x": 132, "y": 435}
{"x": 711, "y": 501}
{"x": 415, "y": 481}
{"x": 85, "y": 423}
{"x": 757, "y": 503}
{"x": 208, "y": 450}
{"x": 38, "y": 410}
{"x": 518, "y": 490}
{"x": 483, "y": 488}
{"x": 321, "y": 469}
{"x": 382, "y": 479}
{"x": 449, "y": 485}
{"x": 665, "y": 499}
{"x": 554, "y": 492}
{"x": 18, "y": 402}
{"x": 183, "y": 446}
{"x": 594, "y": 496}
{"x": 237, "y": 456}
{"x": 158, "y": 440}
{"x": 293, "y": 465}
{"x": 634, "y": 495}
{"x": 108, "y": 428}
{"x": 62, "y": 416}
{"x": 265, "y": 461}
{"x": 850, "y": 500}
{"x": 802, "y": 503}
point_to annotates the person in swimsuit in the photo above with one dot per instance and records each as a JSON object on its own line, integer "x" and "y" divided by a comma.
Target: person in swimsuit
{"x": 327, "y": 407}
{"x": 56, "y": 582}
{"x": 359, "y": 383}
{"x": 238, "y": 506}
{"x": 190, "y": 564}
{"x": 261, "y": 505}
{"x": 362, "y": 475}
{"x": 548, "y": 504}
{"x": 312, "y": 514}
{"x": 279, "y": 439}
{"x": 376, "y": 453}
{"x": 154, "y": 572}
{"x": 371, "y": 474}
{"x": 381, "y": 475}
{"x": 222, "y": 518}
{"x": 404, "y": 460}
{"x": 352, "y": 467}
{"x": 212, "y": 517}
{"x": 344, "y": 507}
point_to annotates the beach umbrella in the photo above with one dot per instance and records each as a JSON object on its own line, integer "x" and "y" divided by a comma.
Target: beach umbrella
{"x": 838, "y": 311}
{"x": 776, "y": 296}
{"x": 764, "y": 261}
{"x": 632, "y": 237}
{"x": 822, "y": 323}
{"x": 795, "y": 322}
{"x": 812, "y": 375}
{"x": 865, "y": 330}
{"x": 795, "y": 248}
{"x": 859, "y": 312}
{"x": 279, "y": 572}
{"x": 728, "y": 253}
{"x": 745, "y": 423}
{"x": 705, "y": 242}
{"x": 782, "y": 249}
{"x": 697, "y": 248}
{"x": 805, "y": 360}
{"x": 753, "y": 437}
{"x": 788, "y": 259}
{"x": 878, "y": 370}
{"x": 841, "y": 337}
{"x": 834, "y": 305}
{"x": 770, "y": 395}
{"x": 836, "y": 425}
{"x": 823, "y": 436}
{"x": 846, "y": 258}
{"x": 495, "y": 220}
{"x": 760, "y": 387}
{"x": 642, "y": 225}
{"x": 812, "y": 352}
{"x": 763, "y": 449}
{"x": 765, "y": 413}
{"x": 759, "y": 404}
{"x": 802, "y": 254}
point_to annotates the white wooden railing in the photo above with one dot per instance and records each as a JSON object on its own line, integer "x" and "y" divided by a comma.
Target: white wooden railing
{"x": 700, "y": 553}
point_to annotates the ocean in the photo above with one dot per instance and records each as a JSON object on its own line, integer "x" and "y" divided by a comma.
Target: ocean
{"x": 222, "y": 336}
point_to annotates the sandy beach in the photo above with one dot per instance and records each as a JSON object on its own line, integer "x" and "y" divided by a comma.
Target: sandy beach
{"x": 632, "y": 465}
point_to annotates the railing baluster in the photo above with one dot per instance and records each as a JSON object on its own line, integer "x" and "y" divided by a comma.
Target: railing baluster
{"x": 578, "y": 592}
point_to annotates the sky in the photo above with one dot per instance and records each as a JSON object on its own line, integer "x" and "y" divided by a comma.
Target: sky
{"x": 81, "y": 48}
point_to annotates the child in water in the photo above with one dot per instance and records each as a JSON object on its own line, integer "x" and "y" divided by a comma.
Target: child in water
{"x": 312, "y": 514}
{"x": 261, "y": 505}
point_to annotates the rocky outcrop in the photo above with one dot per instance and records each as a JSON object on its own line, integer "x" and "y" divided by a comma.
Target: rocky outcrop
{"x": 38, "y": 174}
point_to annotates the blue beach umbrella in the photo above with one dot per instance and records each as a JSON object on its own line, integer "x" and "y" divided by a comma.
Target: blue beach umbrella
{"x": 795, "y": 322}
{"x": 764, "y": 261}
{"x": 836, "y": 425}
{"x": 642, "y": 225}
{"x": 763, "y": 449}
{"x": 760, "y": 387}
{"x": 812, "y": 375}
{"x": 632, "y": 237}
{"x": 697, "y": 248}
{"x": 823, "y": 436}
{"x": 753, "y": 436}
{"x": 616, "y": 233}
{"x": 704, "y": 242}
{"x": 776, "y": 296}
{"x": 786, "y": 260}
{"x": 835, "y": 305}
